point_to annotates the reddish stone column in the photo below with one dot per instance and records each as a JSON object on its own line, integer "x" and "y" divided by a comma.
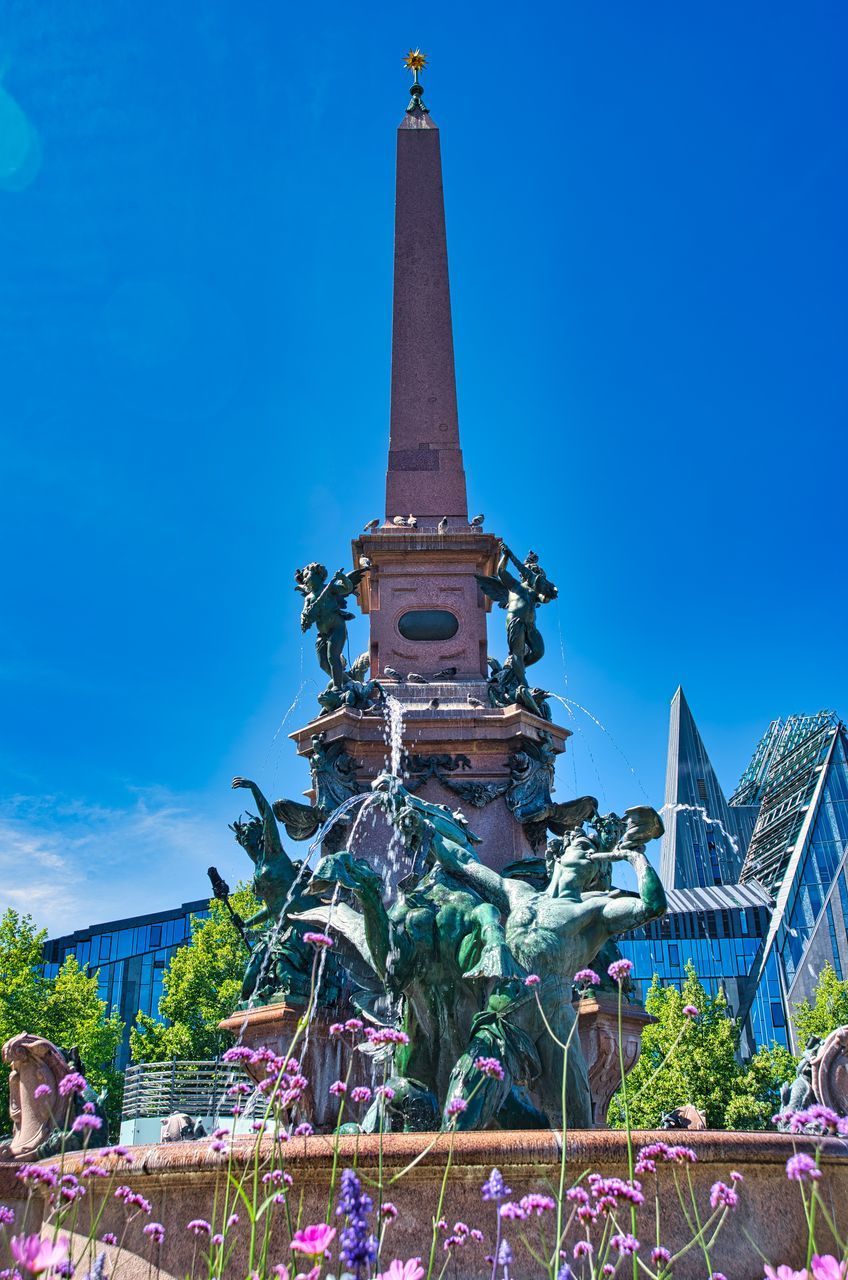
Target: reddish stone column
{"x": 425, "y": 475}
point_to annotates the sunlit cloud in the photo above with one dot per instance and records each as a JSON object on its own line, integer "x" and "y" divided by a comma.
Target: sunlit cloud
{"x": 70, "y": 863}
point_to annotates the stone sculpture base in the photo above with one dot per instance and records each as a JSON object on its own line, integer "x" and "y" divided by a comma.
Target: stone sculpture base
{"x": 598, "y": 1032}
{"x": 323, "y": 1059}
{"x": 180, "y": 1179}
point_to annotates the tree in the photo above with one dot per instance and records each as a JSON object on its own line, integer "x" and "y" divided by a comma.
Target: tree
{"x": 757, "y": 1092}
{"x": 828, "y": 1011}
{"x": 65, "y": 1009}
{"x": 201, "y": 985}
{"x": 683, "y": 1059}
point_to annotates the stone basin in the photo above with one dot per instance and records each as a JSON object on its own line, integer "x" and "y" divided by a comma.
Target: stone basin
{"x": 181, "y": 1181}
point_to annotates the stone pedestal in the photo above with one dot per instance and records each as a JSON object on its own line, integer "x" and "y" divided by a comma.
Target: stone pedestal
{"x": 184, "y": 1181}
{"x": 323, "y": 1058}
{"x": 598, "y": 1031}
{"x": 466, "y": 743}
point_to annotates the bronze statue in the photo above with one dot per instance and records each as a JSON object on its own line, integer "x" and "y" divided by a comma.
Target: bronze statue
{"x": 556, "y": 932}
{"x": 324, "y": 608}
{"x": 280, "y": 963}
{"x": 520, "y": 597}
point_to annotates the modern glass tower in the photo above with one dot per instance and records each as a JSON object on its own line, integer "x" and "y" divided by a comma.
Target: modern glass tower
{"x": 721, "y": 931}
{"x": 702, "y": 845}
{"x": 129, "y": 957}
{"x": 799, "y": 853}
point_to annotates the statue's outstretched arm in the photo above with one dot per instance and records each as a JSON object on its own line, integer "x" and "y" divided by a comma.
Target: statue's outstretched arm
{"x": 270, "y": 831}
{"x": 623, "y": 913}
{"x": 466, "y": 867}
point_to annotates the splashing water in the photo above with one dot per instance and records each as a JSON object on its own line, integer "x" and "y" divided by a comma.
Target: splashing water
{"x": 394, "y": 733}
{"x": 568, "y": 703}
{"x": 711, "y": 822}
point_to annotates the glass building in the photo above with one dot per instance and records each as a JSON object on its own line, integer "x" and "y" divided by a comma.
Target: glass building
{"x": 719, "y": 929}
{"x": 129, "y": 957}
{"x": 703, "y": 843}
{"x": 783, "y": 835}
{"x": 799, "y": 850}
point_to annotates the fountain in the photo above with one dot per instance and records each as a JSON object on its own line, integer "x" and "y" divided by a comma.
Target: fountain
{"x": 432, "y": 953}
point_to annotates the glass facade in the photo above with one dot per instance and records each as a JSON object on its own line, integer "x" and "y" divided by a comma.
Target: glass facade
{"x": 790, "y": 817}
{"x": 721, "y": 931}
{"x": 129, "y": 958}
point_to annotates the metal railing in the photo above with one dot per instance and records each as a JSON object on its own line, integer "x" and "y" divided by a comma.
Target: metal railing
{"x": 161, "y": 1088}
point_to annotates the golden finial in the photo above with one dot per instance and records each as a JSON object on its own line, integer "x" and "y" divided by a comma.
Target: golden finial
{"x": 415, "y": 61}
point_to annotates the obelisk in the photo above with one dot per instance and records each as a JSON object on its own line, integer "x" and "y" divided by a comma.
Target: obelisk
{"x": 425, "y": 474}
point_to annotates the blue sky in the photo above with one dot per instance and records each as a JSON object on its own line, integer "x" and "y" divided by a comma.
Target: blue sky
{"x": 646, "y": 207}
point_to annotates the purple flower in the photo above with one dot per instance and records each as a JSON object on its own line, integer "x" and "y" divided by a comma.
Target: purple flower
{"x": 690, "y": 1011}
{"x": 199, "y": 1227}
{"x": 155, "y": 1231}
{"x": 494, "y": 1188}
{"x": 7, "y": 1216}
{"x": 723, "y": 1195}
{"x": 84, "y": 1122}
{"x": 535, "y": 1203}
{"x": 681, "y": 1155}
{"x": 354, "y": 1024}
{"x": 583, "y": 1249}
{"x": 718, "y": 1275}
{"x": 73, "y": 1082}
{"x": 338, "y": 1088}
{"x": 384, "y": 1091}
{"x": 381, "y": 1036}
{"x": 318, "y": 939}
{"x": 108, "y": 1237}
{"x": 388, "y": 1211}
{"x": 304, "y": 1130}
{"x": 565, "y": 1273}
{"x": 41, "y": 1091}
{"x": 736, "y": 1176}
{"x": 618, "y": 971}
{"x": 358, "y": 1243}
{"x": 800, "y": 1167}
{"x": 36, "y": 1255}
{"x": 513, "y": 1211}
{"x": 360, "y": 1094}
{"x": 784, "y": 1273}
{"x": 490, "y": 1067}
{"x": 336, "y": 1029}
{"x": 238, "y": 1053}
{"x": 532, "y": 980}
{"x": 586, "y": 978}
{"x": 313, "y": 1240}
{"x": 660, "y": 1254}
{"x": 397, "y": 1270}
{"x": 456, "y": 1106}
{"x": 624, "y": 1243}
{"x": 826, "y": 1267}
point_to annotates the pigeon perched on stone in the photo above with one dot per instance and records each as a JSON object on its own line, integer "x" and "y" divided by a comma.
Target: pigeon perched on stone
{"x": 392, "y": 674}
{"x": 415, "y": 678}
{"x": 412, "y": 522}
{"x": 442, "y": 526}
{"x": 399, "y": 520}
{"x": 371, "y": 526}
{"x": 364, "y": 562}
{"x": 477, "y": 522}
{"x": 433, "y": 704}
{"x": 446, "y": 673}
{"x": 474, "y": 702}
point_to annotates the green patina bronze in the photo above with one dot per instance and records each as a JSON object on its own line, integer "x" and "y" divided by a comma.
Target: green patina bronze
{"x": 324, "y": 601}
{"x": 280, "y": 964}
{"x": 520, "y": 596}
{"x": 453, "y": 948}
